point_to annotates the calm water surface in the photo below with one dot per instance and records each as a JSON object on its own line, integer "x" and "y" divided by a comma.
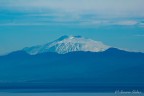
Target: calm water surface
{"x": 67, "y": 94}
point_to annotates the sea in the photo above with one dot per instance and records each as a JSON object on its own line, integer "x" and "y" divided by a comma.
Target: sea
{"x": 70, "y": 94}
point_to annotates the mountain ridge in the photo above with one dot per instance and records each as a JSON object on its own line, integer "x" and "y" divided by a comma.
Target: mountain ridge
{"x": 114, "y": 67}
{"x": 66, "y": 44}
{"x": 95, "y": 65}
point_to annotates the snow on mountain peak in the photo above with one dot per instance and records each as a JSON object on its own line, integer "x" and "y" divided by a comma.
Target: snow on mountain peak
{"x": 67, "y": 44}
{"x": 68, "y": 37}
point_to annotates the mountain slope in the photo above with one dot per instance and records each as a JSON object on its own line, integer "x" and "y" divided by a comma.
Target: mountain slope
{"x": 94, "y": 68}
{"x": 67, "y": 44}
{"x": 112, "y": 65}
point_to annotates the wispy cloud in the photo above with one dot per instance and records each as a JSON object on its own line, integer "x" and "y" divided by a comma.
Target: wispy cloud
{"x": 70, "y": 21}
{"x": 14, "y": 19}
{"x": 78, "y": 12}
{"x": 126, "y": 22}
{"x": 103, "y": 7}
{"x": 139, "y": 35}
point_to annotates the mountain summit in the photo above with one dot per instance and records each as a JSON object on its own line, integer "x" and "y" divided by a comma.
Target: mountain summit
{"x": 67, "y": 44}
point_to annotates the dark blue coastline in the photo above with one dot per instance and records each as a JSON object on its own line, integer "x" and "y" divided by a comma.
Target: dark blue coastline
{"x": 48, "y": 87}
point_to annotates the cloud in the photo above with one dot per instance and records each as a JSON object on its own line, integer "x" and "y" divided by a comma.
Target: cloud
{"x": 73, "y": 20}
{"x": 70, "y": 12}
{"x": 126, "y": 22}
{"x": 139, "y": 35}
{"x": 102, "y": 7}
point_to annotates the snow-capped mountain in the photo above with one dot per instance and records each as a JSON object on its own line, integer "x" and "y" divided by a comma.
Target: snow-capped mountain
{"x": 67, "y": 44}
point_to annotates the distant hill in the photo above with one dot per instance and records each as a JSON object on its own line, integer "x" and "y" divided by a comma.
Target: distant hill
{"x": 110, "y": 66}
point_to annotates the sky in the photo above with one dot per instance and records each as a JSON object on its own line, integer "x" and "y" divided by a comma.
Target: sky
{"x": 117, "y": 23}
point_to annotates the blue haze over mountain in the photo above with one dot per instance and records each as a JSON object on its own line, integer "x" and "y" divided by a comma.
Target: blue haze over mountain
{"x": 112, "y": 67}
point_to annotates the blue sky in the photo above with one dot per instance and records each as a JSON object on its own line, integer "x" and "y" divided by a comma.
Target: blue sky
{"x": 118, "y": 23}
